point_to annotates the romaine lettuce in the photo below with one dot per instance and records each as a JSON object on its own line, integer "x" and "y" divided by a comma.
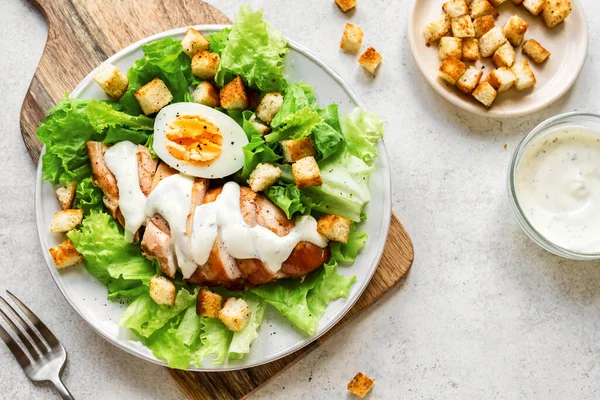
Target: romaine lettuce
{"x": 256, "y": 151}
{"x": 240, "y": 342}
{"x": 362, "y": 130}
{"x": 347, "y": 252}
{"x": 218, "y": 40}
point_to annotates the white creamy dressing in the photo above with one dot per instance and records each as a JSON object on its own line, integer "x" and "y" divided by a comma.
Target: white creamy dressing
{"x": 121, "y": 160}
{"x": 558, "y": 187}
{"x": 172, "y": 200}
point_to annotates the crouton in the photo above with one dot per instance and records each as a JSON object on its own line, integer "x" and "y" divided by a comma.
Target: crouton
{"x": 479, "y": 8}
{"x": 235, "y": 314}
{"x": 515, "y": 29}
{"x": 491, "y": 41}
{"x": 153, "y": 96}
{"x": 455, "y": 8}
{"x": 360, "y": 385}
{"x": 269, "y": 107}
{"x": 205, "y": 64}
{"x": 535, "y": 51}
{"x": 462, "y": 27}
{"x": 485, "y": 94}
{"x": 294, "y": 150}
{"x": 470, "y": 49}
{"x": 556, "y": 11}
{"x": 233, "y": 95}
{"x": 194, "y": 42}
{"x": 370, "y": 60}
{"x": 207, "y": 94}
{"x": 437, "y": 28}
{"x": 208, "y": 304}
{"x": 469, "y": 80}
{"x": 505, "y": 56}
{"x": 517, "y": 2}
{"x": 66, "y": 220}
{"x": 346, "y": 5}
{"x": 450, "y": 47}
{"x": 502, "y": 79}
{"x": 334, "y": 228}
{"x": 162, "y": 290}
{"x": 306, "y": 173}
{"x": 534, "y": 6}
{"x": 351, "y": 38}
{"x": 111, "y": 80}
{"x": 263, "y": 177}
{"x": 65, "y": 255}
{"x": 452, "y": 69}
{"x": 483, "y": 24}
{"x": 496, "y": 3}
{"x": 524, "y": 75}
{"x": 66, "y": 195}
{"x": 260, "y": 126}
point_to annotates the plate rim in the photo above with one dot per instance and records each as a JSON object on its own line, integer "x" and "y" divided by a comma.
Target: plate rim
{"x": 457, "y": 101}
{"x": 386, "y": 216}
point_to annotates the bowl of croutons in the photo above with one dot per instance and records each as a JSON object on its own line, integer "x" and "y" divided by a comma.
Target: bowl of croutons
{"x": 499, "y": 58}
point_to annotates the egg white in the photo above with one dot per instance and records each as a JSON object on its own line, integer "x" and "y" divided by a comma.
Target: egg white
{"x": 231, "y": 158}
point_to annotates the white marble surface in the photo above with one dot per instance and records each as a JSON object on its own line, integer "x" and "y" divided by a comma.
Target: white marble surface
{"x": 484, "y": 312}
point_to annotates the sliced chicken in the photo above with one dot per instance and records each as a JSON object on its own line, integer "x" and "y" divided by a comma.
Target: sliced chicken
{"x": 103, "y": 178}
{"x": 146, "y": 169}
{"x": 156, "y": 245}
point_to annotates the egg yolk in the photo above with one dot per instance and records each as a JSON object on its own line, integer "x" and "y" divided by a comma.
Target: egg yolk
{"x": 194, "y": 140}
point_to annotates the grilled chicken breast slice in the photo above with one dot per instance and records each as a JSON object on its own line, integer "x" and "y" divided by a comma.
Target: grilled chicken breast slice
{"x": 156, "y": 245}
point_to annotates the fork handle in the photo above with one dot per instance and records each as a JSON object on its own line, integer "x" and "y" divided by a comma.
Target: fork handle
{"x": 62, "y": 389}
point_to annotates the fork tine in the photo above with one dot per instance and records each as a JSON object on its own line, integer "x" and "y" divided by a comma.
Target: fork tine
{"x": 24, "y": 362}
{"x": 32, "y": 352}
{"x": 38, "y": 342}
{"x": 41, "y": 327}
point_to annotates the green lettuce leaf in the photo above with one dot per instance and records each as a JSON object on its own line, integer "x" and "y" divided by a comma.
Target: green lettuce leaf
{"x": 327, "y": 141}
{"x": 331, "y": 117}
{"x": 218, "y": 40}
{"x": 166, "y": 345}
{"x": 102, "y": 116}
{"x": 188, "y": 331}
{"x": 214, "y": 340}
{"x": 88, "y": 196}
{"x": 347, "y": 252}
{"x": 362, "y": 130}
{"x": 119, "y": 134}
{"x": 256, "y": 151}
{"x": 255, "y": 51}
{"x": 297, "y": 96}
{"x": 240, "y": 342}
{"x": 295, "y": 126}
{"x": 290, "y": 199}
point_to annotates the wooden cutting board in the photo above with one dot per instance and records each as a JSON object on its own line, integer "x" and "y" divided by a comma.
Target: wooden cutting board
{"x": 83, "y": 33}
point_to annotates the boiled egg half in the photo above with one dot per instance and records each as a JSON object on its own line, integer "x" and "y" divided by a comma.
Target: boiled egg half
{"x": 198, "y": 140}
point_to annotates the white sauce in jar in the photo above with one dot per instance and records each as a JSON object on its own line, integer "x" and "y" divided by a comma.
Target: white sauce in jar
{"x": 558, "y": 187}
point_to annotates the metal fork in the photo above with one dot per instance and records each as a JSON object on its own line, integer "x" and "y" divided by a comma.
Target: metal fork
{"x": 43, "y": 358}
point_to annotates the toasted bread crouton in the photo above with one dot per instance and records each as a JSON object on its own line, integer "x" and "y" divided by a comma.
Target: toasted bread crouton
{"x": 515, "y": 29}
{"x": 351, "y": 38}
{"x": 153, "y": 96}
{"x": 556, "y": 11}
{"x": 370, "y": 60}
{"x": 483, "y": 24}
{"x": 306, "y": 173}
{"x": 66, "y": 195}
{"x": 524, "y": 75}
{"x": 450, "y": 47}
{"x": 535, "y": 51}
{"x": 294, "y": 150}
{"x": 235, "y": 314}
{"x": 505, "y": 56}
{"x": 462, "y": 27}
{"x": 208, "y": 304}
{"x": 233, "y": 95}
{"x": 485, "y": 94}
{"x": 534, "y": 6}
{"x": 360, "y": 385}
{"x": 205, "y": 64}
{"x": 502, "y": 79}
{"x": 207, "y": 94}
{"x": 517, "y": 2}
{"x": 496, "y": 3}
{"x": 263, "y": 177}
{"x": 194, "y": 42}
{"x": 437, "y": 28}
{"x": 452, "y": 69}
{"x": 479, "y": 8}
{"x": 346, "y": 5}
{"x": 111, "y": 80}
{"x": 470, "y": 49}
{"x": 65, "y": 255}
{"x": 269, "y": 107}
{"x": 491, "y": 41}
{"x": 334, "y": 228}
{"x": 162, "y": 290}
{"x": 260, "y": 126}
{"x": 455, "y": 8}
{"x": 66, "y": 220}
{"x": 469, "y": 80}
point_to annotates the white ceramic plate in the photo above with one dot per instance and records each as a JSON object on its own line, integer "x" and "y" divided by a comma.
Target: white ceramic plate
{"x": 568, "y": 43}
{"x": 88, "y": 296}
